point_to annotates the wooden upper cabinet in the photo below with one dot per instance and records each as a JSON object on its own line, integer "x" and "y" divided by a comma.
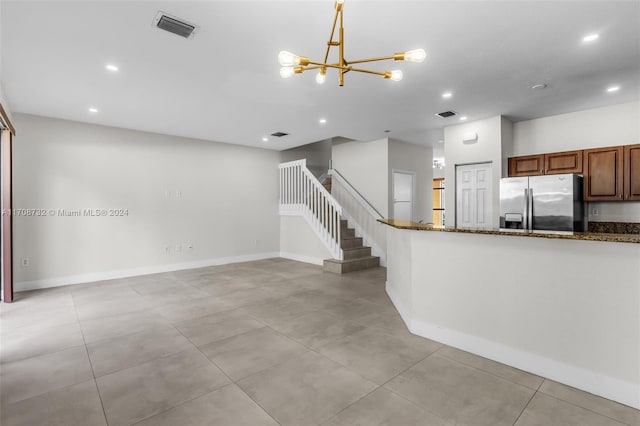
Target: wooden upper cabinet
{"x": 632, "y": 172}
{"x": 530, "y": 165}
{"x": 603, "y": 171}
{"x": 563, "y": 162}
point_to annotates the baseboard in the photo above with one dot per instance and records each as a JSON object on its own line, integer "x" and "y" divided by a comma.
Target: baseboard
{"x": 145, "y": 270}
{"x": 586, "y": 380}
{"x": 302, "y": 258}
{"x": 589, "y": 381}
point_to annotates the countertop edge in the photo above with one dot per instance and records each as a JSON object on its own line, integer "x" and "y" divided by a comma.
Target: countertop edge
{"x": 583, "y": 236}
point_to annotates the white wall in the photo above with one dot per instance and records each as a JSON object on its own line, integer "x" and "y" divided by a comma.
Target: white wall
{"x": 418, "y": 159}
{"x": 594, "y": 128}
{"x": 439, "y": 172}
{"x": 317, "y": 154}
{"x": 575, "y": 320}
{"x": 227, "y": 208}
{"x": 299, "y": 242}
{"x": 365, "y": 165}
{"x": 488, "y": 148}
{"x": 3, "y": 100}
{"x": 5, "y": 103}
{"x": 507, "y": 145}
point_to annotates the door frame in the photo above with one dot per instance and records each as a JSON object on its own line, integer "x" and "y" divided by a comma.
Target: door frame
{"x": 6, "y": 269}
{"x": 413, "y": 190}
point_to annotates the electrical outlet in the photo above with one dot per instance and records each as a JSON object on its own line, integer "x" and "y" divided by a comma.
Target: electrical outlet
{"x": 178, "y": 194}
{"x": 25, "y": 262}
{"x": 167, "y": 194}
{"x": 190, "y": 246}
{"x": 178, "y": 247}
{"x": 256, "y": 242}
{"x": 167, "y": 249}
{"x": 595, "y": 211}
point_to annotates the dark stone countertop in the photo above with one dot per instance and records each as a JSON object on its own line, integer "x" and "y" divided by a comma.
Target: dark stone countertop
{"x": 585, "y": 236}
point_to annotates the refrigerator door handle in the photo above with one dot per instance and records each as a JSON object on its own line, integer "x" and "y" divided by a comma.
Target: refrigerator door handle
{"x": 525, "y": 215}
{"x": 530, "y": 207}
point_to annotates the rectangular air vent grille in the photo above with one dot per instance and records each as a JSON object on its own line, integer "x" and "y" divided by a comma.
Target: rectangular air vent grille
{"x": 174, "y": 25}
{"x": 446, "y": 114}
{"x": 279, "y": 134}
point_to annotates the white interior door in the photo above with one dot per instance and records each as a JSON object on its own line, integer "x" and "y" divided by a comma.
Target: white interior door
{"x": 403, "y": 190}
{"x": 474, "y": 194}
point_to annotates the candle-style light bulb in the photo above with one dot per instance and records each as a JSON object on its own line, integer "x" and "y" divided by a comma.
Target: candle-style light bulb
{"x": 286, "y": 72}
{"x": 417, "y": 55}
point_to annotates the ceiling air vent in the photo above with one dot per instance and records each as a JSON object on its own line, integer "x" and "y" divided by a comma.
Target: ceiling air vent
{"x": 446, "y": 114}
{"x": 174, "y": 25}
{"x": 279, "y": 134}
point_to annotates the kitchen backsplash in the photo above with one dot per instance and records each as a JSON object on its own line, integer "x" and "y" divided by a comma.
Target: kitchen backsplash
{"x": 614, "y": 211}
{"x": 615, "y": 227}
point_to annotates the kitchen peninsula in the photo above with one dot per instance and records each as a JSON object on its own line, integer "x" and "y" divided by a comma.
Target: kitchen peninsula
{"x": 563, "y": 306}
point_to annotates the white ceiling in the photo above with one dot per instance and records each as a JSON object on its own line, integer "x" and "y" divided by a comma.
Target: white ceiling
{"x": 224, "y": 84}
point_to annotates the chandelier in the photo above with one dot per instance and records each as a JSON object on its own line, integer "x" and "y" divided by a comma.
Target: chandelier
{"x": 294, "y": 64}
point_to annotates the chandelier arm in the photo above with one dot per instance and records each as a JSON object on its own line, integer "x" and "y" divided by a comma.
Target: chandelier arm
{"x": 333, "y": 30}
{"x": 341, "y": 47}
{"x": 380, "y": 58}
{"x": 322, "y": 64}
{"x": 383, "y": 73}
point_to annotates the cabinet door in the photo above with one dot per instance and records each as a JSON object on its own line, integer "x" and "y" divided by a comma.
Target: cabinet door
{"x": 632, "y": 172}
{"x": 603, "y": 174}
{"x": 530, "y": 165}
{"x": 563, "y": 162}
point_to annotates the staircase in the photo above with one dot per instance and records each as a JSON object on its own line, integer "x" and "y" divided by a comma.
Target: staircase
{"x": 356, "y": 256}
{"x": 327, "y": 184}
{"x": 302, "y": 194}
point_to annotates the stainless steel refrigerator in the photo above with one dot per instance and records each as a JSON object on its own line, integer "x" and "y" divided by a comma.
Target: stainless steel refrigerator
{"x": 545, "y": 203}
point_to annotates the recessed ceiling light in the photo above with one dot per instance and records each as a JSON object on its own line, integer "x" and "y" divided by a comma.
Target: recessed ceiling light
{"x": 613, "y": 89}
{"x": 463, "y": 118}
{"x": 540, "y": 86}
{"x": 265, "y": 139}
{"x": 112, "y": 67}
{"x": 93, "y": 110}
{"x": 322, "y": 121}
{"x": 590, "y": 38}
{"x": 447, "y": 95}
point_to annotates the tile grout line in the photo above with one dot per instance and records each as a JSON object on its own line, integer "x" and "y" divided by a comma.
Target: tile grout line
{"x": 309, "y": 349}
{"x": 188, "y": 400}
{"x": 228, "y": 377}
{"x": 408, "y": 400}
{"x": 524, "y": 408}
{"x": 537, "y": 389}
{"x": 383, "y": 386}
{"x": 584, "y": 408}
{"x": 489, "y": 372}
{"x": 93, "y": 373}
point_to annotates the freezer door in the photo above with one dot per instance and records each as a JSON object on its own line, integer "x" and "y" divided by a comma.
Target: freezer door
{"x": 552, "y": 202}
{"x": 513, "y": 206}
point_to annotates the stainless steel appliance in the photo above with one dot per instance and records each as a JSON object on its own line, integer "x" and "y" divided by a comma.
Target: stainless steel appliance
{"x": 550, "y": 203}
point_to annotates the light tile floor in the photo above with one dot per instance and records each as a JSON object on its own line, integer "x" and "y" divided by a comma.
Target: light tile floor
{"x": 259, "y": 343}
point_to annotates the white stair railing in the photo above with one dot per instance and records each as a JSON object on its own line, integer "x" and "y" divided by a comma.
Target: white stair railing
{"x": 361, "y": 215}
{"x": 301, "y": 194}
